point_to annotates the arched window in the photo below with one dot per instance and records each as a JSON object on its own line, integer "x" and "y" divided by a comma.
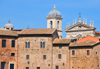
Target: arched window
{"x": 27, "y": 44}
{"x": 88, "y": 52}
{"x": 50, "y": 24}
{"x": 57, "y": 24}
{"x": 73, "y": 52}
{"x": 42, "y": 44}
{"x": 59, "y": 56}
{"x": 96, "y": 53}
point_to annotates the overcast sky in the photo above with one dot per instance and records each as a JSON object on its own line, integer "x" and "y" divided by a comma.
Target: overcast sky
{"x": 22, "y": 13}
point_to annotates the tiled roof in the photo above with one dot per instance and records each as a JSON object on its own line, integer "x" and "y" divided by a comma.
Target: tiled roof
{"x": 97, "y": 32}
{"x": 61, "y": 41}
{"x": 92, "y": 38}
{"x": 38, "y": 31}
{"x": 8, "y": 32}
{"x": 87, "y": 43}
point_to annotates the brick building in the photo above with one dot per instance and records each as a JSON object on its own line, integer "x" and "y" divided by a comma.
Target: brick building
{"x": 46, "y": 49}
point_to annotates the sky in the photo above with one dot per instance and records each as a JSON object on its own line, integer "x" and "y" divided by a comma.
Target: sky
{"x": 32, "y": 13}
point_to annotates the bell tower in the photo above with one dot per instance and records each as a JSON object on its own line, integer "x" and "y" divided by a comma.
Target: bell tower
{"x": 54, "y": 20}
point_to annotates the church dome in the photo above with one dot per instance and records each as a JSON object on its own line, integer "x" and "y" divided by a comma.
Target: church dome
{"x": 9, "y": 26}
{"x": 54, "y": 13}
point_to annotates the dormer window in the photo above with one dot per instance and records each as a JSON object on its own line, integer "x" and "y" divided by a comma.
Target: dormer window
{"x": 79, "y": 27}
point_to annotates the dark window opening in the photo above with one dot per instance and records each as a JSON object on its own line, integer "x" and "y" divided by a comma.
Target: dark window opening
{"x": 27, "y": 67}
{"x": 57, "y": 24}
{"x": 3, "y": 43}
{"x": 27, "y": 56}
{"x": 44, "y": 56}
{"x": 79, "y": 27}
{"x": 28, "y": 62}
{"x": 59, "y": 56}
{"x": 57, "y": 67}
{"x": 42, "y": 43}
{"x": 11, "y": 28}
{"x": 12, "y": 54}
{"x": 11, "y": 66}
{"x": 13, "y": 43}
{"x": 3, "y": 65}
{"x": 60, "y": 47}
{"x": 88, "y": 52}
{"x": 7, "y": 28}
{"x": 96, "y": 53}
{"x": 48, "y": 64}
{"x": 38, "y": 67}
{"x": 51, "y": 24}
{"x": 73, "y": 52}
{"x": 63, "y": 64}
{"x": 73, "y": 40}
{"x": 27, "y": 44}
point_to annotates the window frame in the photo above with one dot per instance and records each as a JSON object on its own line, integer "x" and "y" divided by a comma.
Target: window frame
{"x": 59, "y": 56}
{"x": 57, "y": 67}
{"x": 73, "y": 52}
{"x": 27, "y": 44}
{"x": 42, "y": 44}
{"x": 57, "y": 24}
{"x": 60, "y": 46}
{"x": 27, "y": 56}
{"x": 44, "y": 56}
{"x": 12, "y": 43}
{"x": 88, "y": 52}
{"x": 51, "y": 24}
{"x": 3, "y": 42}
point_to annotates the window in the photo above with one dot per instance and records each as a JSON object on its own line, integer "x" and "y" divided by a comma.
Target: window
{"x": 3, "y": 65}
{"x": 57, "y": 24}
{"x": 60, "y": 47}
{"x": 27, "y": 56}
{"x": 42, "y": 44}
{"x": 79, "y": 27}
{"x": 12, "y": 54}
{"x": 59, "y": 56}
{"x": 44, "y": 56}
{"x": 11, "y": 28}
{"x": 96, "y": 53}
{"x": 57, "y": 67}
{"x": 13, "y": 43}
{"x": 38, "y": 67}
{"x": 3, "y": 43}
{"x": 73, "y": 52}
{"x": 27, "y": 44}
{"x": 88, "y": 52}
{"x": 27, "y": 67}
{"x": 50, "y": 24}
{"x": 11, "y": 66}
{"x": 7, "y": 28}
{"x": 28, "y": 62}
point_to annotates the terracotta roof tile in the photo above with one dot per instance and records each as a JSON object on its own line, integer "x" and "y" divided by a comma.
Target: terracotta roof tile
{"x": 61, "y": 41}
{"x": 86, "y": 43}
{"x": 38, "y": 31}
{"x": 8, "y": 32}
